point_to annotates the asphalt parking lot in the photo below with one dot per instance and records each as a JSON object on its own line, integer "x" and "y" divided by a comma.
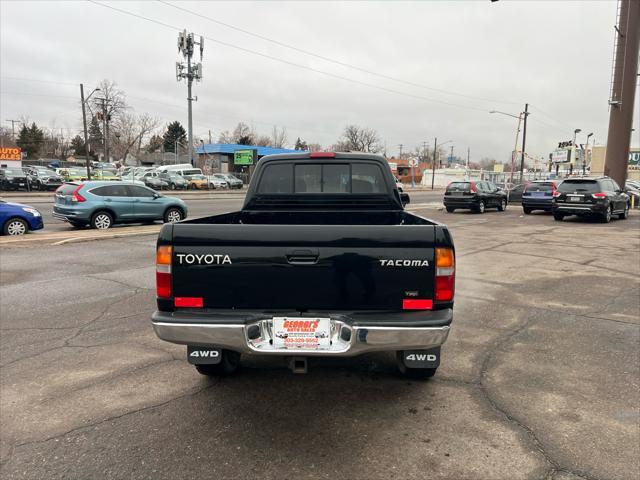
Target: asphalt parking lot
{"x": 540, "y": 376}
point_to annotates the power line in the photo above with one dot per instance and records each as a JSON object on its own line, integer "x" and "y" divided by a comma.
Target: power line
{"x": 287, "y": 62}
{"x": 332, "y": 60}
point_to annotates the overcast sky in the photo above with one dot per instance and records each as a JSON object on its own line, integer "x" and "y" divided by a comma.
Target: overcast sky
{"x": 455, "y": 61}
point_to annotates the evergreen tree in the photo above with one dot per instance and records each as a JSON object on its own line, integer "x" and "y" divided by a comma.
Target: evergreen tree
{"x": 155, "y": 144}
{"x": 77, "y": 144}
{"x": 30, "y": 140}
{"x": 175, "y": 132}
{"x": 95, "y": 135}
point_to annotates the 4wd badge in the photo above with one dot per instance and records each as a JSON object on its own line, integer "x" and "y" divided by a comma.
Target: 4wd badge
{"x": 203, "y": 355}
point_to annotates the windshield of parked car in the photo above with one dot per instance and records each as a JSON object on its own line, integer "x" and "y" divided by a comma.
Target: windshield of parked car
{"x": 588, "y": 186}
{"x": 197, "y": 177}
{"x": 13, "y": 171}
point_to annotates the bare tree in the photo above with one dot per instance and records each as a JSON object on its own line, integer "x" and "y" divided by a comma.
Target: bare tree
{"x": 314, "y": 147}
{"x": 243, "y": 134}
{"x": 130, "y": 131}
{"x": 359, "y": 139}
{"x": 262, "y": 141}
{"x": 278, "y": 137}
{"x": 225, "y": 137}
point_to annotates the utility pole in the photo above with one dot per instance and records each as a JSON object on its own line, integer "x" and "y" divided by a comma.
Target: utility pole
{"x": 433, "y": 165}
{"x": 209, "y": 136}
{"x": 86, "y": 136}
{"x": 451, "y": 156}
{"x": 186, "y": 45}
{"x": 400, "y": 147}
{"x": 13, "y": 128}
{"x": 623, "y": 89}
{"x": 524, "y": 140}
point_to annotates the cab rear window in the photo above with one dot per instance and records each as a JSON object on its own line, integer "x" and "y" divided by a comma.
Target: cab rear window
{"x": 334, "y": 178}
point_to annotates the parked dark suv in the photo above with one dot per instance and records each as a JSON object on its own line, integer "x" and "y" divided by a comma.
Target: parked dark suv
{"x": 538, "y": 195}
{"x": 13, "y": 178}
{"x": 596, "y": 197}
{"x": 476, "y": 196}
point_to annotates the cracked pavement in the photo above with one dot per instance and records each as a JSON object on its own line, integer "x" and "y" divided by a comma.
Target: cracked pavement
{"x": 540, "y": 377}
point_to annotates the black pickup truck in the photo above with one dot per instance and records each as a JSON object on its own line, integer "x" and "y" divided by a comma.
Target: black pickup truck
{"x": 322, "y": 260}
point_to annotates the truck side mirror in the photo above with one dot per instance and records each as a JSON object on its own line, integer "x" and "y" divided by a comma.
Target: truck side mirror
{"x": 404, "y": 198}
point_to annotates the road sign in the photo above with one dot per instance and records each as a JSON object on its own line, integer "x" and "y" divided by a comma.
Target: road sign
{"x": 413, "y": 162}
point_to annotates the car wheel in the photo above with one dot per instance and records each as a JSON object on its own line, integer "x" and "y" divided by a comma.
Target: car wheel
{"x": 624, "y": 214}
{"x": 101, "y": 220}
{"x": 16, "y": 226}
{"x": 172, "y": 186}
{"x": 193, "y": 186}
{"x": 606, "y": 216}
{"x": 173, "y": 215}
{"x": 481, "y": 206}
{"x": 450, "y": 209}
{"x": 558, "y": 216}
{"x": 503, "y": 205}
{"x": 526, "y": 211}
{"x": 228, "y": 365}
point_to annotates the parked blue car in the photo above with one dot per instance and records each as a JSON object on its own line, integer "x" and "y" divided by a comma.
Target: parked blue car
{"x": 538, "y": 195}
{"x": 18, "y": 219}
{"x": 103, "y": 204}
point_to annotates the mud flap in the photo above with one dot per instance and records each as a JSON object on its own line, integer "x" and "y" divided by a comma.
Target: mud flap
{"x": 203, "y": 355}
{"x": 421, "y": 358}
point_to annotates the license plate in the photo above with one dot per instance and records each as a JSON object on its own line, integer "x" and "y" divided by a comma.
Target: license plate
{"x": 295, "y": 333}
{"x": 538, "y": 194}
{"x": 457, "y": 194}
{"x": 21, "y": 184}
{"x": 573, "y": 199}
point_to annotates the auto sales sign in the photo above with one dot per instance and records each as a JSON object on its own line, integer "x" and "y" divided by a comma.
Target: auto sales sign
{"x": 10, "y": 153}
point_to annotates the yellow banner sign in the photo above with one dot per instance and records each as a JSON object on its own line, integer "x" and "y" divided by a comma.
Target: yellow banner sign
{"x": 10, "y": 153}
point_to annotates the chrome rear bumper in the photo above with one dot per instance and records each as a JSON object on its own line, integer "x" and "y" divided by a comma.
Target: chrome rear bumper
{"x": 346, "y": 340}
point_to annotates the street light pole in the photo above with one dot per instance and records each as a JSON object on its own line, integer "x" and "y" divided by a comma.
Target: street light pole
{"x": 524, "y": 141}
{"x": 514, "y": 153}
{"x": 584, "y": 155}
{"x": 573, "y": 148}
{"x": 433, "y": 165}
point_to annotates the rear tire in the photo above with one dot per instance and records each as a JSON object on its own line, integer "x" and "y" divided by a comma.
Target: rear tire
{"x": 101, "y": 220}
{"x": 450, "y": 209}
{"x": 558, "y": 216}
{"x": 481, "y": 207}
{"x": 527, "y": 211}
{"x": 227, "y": 366}
{"x": 606, "y": 216}
{"x": 503, "y": 205}
{"x": 16, "y": 226}
{"x": 173, "y": 215}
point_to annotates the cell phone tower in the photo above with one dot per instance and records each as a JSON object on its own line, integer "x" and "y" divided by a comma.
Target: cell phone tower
{"x": 186, "y": 46}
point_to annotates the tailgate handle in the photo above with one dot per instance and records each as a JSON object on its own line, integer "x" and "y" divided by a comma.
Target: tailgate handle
{"x": 305, "y": 256}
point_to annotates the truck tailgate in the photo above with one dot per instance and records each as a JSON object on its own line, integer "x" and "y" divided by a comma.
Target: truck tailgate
{"x": 303, "y": 267}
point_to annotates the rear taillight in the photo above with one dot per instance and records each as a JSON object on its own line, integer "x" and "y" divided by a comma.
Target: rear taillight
{"x": 76, "y": 197}
{"x": 556, "y": 193}
{"x": 472, "y": 187}
{"x": 599, "y": 195}
{"x": 445, "y": 274}
{"x": 163, "y": 271}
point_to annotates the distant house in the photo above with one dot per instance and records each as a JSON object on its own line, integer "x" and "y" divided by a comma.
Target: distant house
{"x": 222, "y": 157}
